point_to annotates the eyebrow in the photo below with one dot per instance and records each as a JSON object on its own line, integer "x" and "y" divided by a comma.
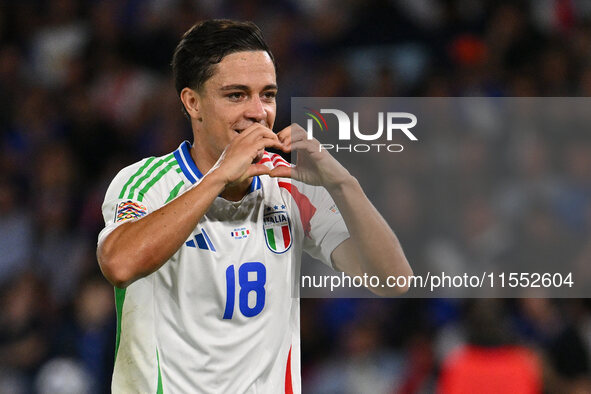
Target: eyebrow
{"x": 246, "y": 88}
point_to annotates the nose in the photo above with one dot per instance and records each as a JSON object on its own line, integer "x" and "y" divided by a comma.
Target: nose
{"x": 255, "y": 110}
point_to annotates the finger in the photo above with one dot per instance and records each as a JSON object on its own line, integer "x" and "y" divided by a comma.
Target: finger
{"x": 283, "y": 147}
{"x": 294, "y": 131}
{"x": 281, "y": 172}
{"x": 268, "y": 143}
{"x": 252, "y": 128}
{"x": 252, "y": 133}
{"x": 257, "y": 169}
{"x": 298, "y": 131}
{"x": 261, "y": 142}
{"x": 258, "y": 131}
{"x": 285, "y": 137}
{"x": 286, "y": 132}
{"x": 286, "y": 148}
{"x": 306, "y": 145}
{"x": 300, "y": 137}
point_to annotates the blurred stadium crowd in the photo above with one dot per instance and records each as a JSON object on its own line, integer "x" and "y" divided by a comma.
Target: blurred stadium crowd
{"x": 85, "y": 89}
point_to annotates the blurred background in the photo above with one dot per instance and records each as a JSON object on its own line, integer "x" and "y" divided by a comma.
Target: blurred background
{"x": 85, "y": 90}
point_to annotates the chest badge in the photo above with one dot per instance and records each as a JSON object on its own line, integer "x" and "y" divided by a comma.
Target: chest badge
{"x": 240, "y": 233}
{"x": 277, "y": 229}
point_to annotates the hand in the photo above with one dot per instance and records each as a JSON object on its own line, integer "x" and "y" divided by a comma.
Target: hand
{"x": 315, "y": 166}
{"x": 238, "y": 161}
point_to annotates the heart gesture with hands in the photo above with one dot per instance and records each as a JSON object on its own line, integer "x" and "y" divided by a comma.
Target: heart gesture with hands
{"x": 239, "y": 161}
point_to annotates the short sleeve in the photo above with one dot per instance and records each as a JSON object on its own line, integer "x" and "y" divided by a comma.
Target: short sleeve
{"x": 324, "y": 227}
{"x": 124, "y": 201}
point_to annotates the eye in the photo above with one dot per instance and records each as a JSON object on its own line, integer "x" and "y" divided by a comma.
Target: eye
{"x": 235, "y": 96}
{"x": 270, "y": 95}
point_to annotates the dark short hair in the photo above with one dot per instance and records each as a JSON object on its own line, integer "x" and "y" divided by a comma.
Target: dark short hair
{"x": 206, "y": 43}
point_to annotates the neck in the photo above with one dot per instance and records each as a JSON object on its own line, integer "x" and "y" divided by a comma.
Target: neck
{"x": 203, "y": 159}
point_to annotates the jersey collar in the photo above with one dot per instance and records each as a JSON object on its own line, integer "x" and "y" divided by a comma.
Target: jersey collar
{"x": 192, "y": 173}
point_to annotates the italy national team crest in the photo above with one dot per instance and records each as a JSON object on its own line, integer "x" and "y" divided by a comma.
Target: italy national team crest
{"x": 277, "y": 228}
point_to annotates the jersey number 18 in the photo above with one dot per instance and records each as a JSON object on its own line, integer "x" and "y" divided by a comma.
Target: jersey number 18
{"x": 246, "y": 286}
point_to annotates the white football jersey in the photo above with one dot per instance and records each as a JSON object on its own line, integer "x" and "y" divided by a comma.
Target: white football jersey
{"x": 222, "y": 315}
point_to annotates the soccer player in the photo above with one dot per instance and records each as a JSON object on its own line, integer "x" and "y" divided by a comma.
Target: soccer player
{"x": 201, "y": 245}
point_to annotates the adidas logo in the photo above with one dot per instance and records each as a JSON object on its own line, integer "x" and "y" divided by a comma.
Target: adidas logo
{"x": 201, "y": 241}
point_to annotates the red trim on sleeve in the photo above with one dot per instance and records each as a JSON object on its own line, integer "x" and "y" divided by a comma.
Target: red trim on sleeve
{"x": 288, "y": 387}
{"x": 305, "y": 207}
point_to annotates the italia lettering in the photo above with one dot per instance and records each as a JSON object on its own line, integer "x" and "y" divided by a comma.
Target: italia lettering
{"x": 275, "y": 219}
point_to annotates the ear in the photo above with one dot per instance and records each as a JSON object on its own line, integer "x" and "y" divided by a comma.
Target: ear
{"x": 190, "y": 100}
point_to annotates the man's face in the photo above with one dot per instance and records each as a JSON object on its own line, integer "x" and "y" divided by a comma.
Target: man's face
{"x": 241, "y": 92}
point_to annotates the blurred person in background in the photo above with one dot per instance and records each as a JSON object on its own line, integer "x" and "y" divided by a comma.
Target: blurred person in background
{"x": 24, "y": 332}
{"x": 365, "y": 365}
{"x": 490, "y": 362}
{"x": 64, "y": 376}
{"x": 16, "y": 233}
{"x": 85, "y": 334}
{"x": 61, "y": 253}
